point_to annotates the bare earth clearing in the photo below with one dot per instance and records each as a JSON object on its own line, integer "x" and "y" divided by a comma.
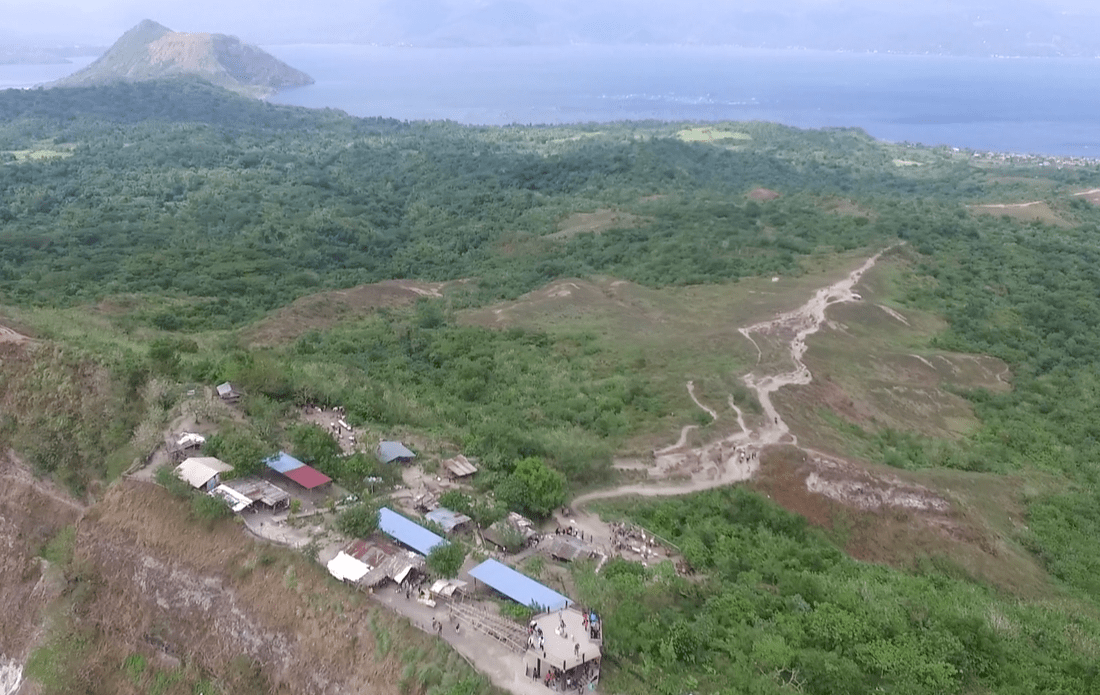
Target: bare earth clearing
{"x": 780, "y": 344}
{"x": 1031, "y": 211}
{"x": 893, "y": 509}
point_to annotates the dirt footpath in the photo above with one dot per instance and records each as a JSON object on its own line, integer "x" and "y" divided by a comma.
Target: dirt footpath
{"x": 781, "y": 344}
{"x": 503, "y": 666}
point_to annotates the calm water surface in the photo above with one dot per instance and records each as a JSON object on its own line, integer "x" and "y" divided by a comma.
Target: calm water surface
{"x": 1036, "y": 105}
{"x": 1048, "y": 106}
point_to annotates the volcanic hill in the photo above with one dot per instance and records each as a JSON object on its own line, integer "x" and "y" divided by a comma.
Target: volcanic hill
{"x": 150, "y": 51}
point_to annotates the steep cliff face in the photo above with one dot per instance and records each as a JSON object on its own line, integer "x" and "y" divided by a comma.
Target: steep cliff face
{"x": 170, "y": 589}
{"x": 32, "y": 513}
{"x": 152, "y": 51}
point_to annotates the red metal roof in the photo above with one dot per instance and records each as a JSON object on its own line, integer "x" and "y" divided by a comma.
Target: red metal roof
{"x": 308, "y": 477}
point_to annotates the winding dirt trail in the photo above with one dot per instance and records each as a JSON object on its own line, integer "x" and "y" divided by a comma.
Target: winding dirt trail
{"x": 780, "y": 344}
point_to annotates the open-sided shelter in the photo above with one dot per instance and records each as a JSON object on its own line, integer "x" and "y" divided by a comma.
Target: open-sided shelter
{"x": 564, "y": 647}
{"x": 518, "y": 587}
{"x": 261, "y": 492}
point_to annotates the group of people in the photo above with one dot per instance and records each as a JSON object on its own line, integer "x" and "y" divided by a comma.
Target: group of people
{"x": 437, "y": 625}
{"x": 576, "y": 680}
{"x": 571, "y": 531}
{"x": 410, "y": 588}
{"x": 535, "y": 638}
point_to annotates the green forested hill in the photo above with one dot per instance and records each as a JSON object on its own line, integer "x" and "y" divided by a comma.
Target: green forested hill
{"x": 144, "y": 227}
{"x": 177, "y": 188}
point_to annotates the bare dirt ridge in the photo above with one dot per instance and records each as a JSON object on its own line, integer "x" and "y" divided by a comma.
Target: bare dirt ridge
{"x": 8, "y": 335}
{"x": 781, "y": 344}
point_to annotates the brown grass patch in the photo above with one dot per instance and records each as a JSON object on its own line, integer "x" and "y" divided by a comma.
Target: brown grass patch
{"x": 1033, "y": 211}
{"x": 596, "y": 222}
{"x": 326, "y": 309}
{"x": 892, "y": 517}
{"x": 763, "y": 194}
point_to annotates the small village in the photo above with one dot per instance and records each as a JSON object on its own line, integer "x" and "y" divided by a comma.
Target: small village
{"x": 559, "y": 648}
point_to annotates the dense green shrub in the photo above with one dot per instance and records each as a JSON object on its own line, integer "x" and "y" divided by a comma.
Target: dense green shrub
{"x": 358, "y": 521}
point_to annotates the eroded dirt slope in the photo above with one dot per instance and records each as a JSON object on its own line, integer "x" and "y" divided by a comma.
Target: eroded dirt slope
{"x": 191, "y": 604}
{"x": 169, "y": 589}
{"x": 31, "y": 513}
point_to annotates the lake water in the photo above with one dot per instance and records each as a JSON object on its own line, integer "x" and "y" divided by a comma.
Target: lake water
{"x": 1031, "y": 105}
{"x": 1048, "y": 106}
{"x": 24, "y": 76}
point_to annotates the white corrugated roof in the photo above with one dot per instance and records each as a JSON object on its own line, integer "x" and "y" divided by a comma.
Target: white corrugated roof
{"x": 234, "y": 499}
{"x": 344, "y": 566}
{"x": 198, "y": 470}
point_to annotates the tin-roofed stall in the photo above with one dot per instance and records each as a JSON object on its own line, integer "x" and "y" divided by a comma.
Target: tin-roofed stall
{"x": 282, "y": 462}
{"x": 518, "y": 587}
{"x": 447, "y": 519}
{"x": 306, "y": 476}
{"x": 396, "y": 568}
{"x": 260, "y": 491}
{"x": 569, "y": 548}
{"x": 203, "y": 472}
{"x": 388, "y": 452}
{"x": 447, "y": 588}
{"x": 459, "y": 467}
{"x": 407, "y": 532}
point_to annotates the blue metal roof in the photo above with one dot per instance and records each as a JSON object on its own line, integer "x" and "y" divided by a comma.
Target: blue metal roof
{"x": 283, "y": 462}
{"x": 518, "y": 587}
{"x": 391, "y": 451}
{"x": 408, "y": 532}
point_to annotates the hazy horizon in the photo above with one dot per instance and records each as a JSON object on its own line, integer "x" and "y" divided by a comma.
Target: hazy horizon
{"x": 975, "y": 27}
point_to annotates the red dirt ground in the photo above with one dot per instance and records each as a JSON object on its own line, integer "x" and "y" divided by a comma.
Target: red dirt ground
{"x": 763, "y": 194}
{"x": 880, "y": 516}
